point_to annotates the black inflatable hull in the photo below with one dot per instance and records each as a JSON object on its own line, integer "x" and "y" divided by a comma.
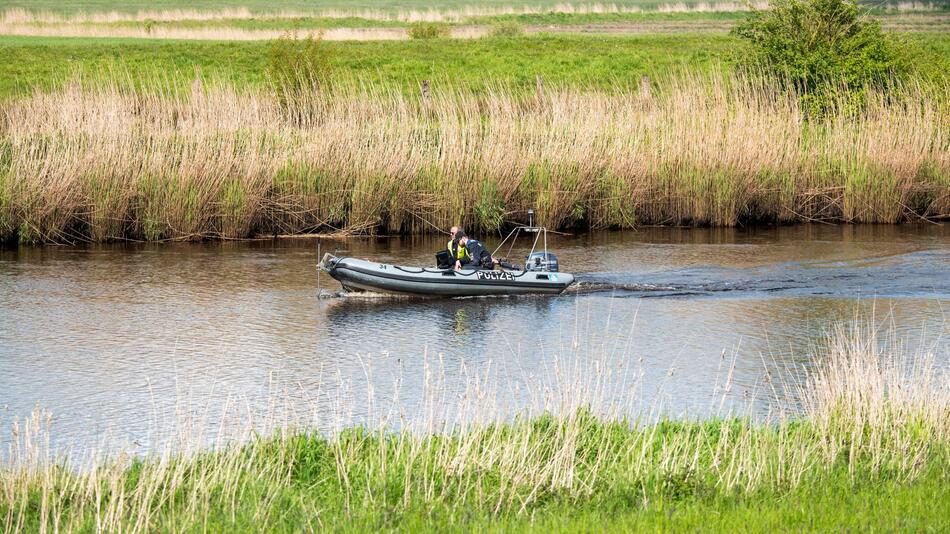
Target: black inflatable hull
{"x": 361, "y": 275}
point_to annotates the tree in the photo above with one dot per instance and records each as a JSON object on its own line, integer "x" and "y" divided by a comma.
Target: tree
{"x": 822, "y": 48}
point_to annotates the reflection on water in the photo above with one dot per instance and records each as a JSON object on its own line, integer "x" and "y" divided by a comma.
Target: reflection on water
{"x": 115, "y": 337}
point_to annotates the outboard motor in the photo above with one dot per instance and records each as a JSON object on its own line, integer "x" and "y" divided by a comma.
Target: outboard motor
{"x": 443, "y": 259}
{"x": 541, "y": 261}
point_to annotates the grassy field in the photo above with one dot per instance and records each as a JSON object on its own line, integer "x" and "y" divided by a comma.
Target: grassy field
{"x": 605, "y": 62}
{"x": 868, "y": 451}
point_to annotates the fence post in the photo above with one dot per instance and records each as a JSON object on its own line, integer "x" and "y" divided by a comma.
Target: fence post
{"x": 425, "y": 90}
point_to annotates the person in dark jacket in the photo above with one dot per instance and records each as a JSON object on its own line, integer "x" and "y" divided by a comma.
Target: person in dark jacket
{"x": 457, "y": 251}
{"x": 478, "y": 255}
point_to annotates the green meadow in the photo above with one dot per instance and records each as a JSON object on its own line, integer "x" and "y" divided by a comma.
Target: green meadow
{"x": 603, "y": 61}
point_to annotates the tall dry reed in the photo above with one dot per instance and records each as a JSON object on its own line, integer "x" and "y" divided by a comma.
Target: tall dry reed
{"x": 223, "y": 33}
{"x": 98, "y": 162}
{"x": 210, "y": 33}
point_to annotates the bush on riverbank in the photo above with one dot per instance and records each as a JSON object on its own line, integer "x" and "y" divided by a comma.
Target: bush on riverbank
{"x": 873, "y": 432}
{"x": 827, "y": 51}
{"x": 507, "y": 29}
{"x": 95, "y": 164}
{"x": 427, "y": 30}
{"x": 296, "y": 65}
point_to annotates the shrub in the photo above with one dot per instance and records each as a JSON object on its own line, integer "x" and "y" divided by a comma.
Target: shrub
{"x": 296, "y": 64}
{"x": 823, "y": 49}
{"x": 428, "y": 30}
{"x": 507, "y": 29}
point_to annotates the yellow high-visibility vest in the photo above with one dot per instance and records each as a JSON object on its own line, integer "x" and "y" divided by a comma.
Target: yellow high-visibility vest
{"x": 458, "y": 252}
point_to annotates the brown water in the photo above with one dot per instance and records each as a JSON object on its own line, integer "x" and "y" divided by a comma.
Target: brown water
{"x": 115, "y": 340}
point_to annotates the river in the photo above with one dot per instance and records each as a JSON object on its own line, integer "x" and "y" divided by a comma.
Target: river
{"x": 122, "y": 343}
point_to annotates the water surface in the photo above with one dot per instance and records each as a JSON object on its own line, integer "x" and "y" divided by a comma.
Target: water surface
{"x": 115, "y": 341}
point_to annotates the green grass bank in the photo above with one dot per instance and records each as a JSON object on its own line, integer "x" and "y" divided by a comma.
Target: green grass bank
{"x": 360, "y": 481}
{"x": 867, "y": 451}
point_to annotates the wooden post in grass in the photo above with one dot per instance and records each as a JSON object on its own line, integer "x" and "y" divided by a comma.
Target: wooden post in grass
{"x": 425, "y": 90}
{"x": 645, "y": 87}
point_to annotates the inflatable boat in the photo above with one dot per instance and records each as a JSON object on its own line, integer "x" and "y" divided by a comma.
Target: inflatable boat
{"x": 540, "y": 274}
{"x": 362, "y": 275}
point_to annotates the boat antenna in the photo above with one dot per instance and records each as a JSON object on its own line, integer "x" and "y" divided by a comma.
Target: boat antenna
{"x": 545, "y": 232}
{"x": 530, "y": 217}
{"x": 318, "y": 270}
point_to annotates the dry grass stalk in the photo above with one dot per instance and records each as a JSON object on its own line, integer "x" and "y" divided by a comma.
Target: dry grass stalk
{"x": 220, "y": 33}
{"x": 869, "y": 399}
{"x": 98, "y": 163}
{"x": 210, "y": 33}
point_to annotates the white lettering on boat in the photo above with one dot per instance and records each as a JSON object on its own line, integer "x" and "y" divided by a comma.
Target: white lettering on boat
{"x": 494, "y": 275}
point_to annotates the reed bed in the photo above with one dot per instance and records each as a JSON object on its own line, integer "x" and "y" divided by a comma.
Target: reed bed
{"x": 95, "y": 162}
{"x": 435, "y": 14}
{"x": 477, "y": 29}
{"x": 224, "y": 33}
{"x": 221, "y": 33}
{"x": 870, "y": 414}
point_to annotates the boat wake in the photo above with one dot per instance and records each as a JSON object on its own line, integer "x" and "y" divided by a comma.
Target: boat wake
{"x": 914, "y": 274}
{"x": 326, "y": 294}
{"x": 595, "y": 286}
{"x": 918, "y": 274}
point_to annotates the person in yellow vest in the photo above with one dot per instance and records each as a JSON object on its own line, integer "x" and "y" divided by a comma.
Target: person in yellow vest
{"x": 457, "y": 251}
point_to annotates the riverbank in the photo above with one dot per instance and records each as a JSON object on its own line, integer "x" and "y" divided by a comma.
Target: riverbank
{"x": 868, "y": 449}
{"x": 104, "y": 163}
